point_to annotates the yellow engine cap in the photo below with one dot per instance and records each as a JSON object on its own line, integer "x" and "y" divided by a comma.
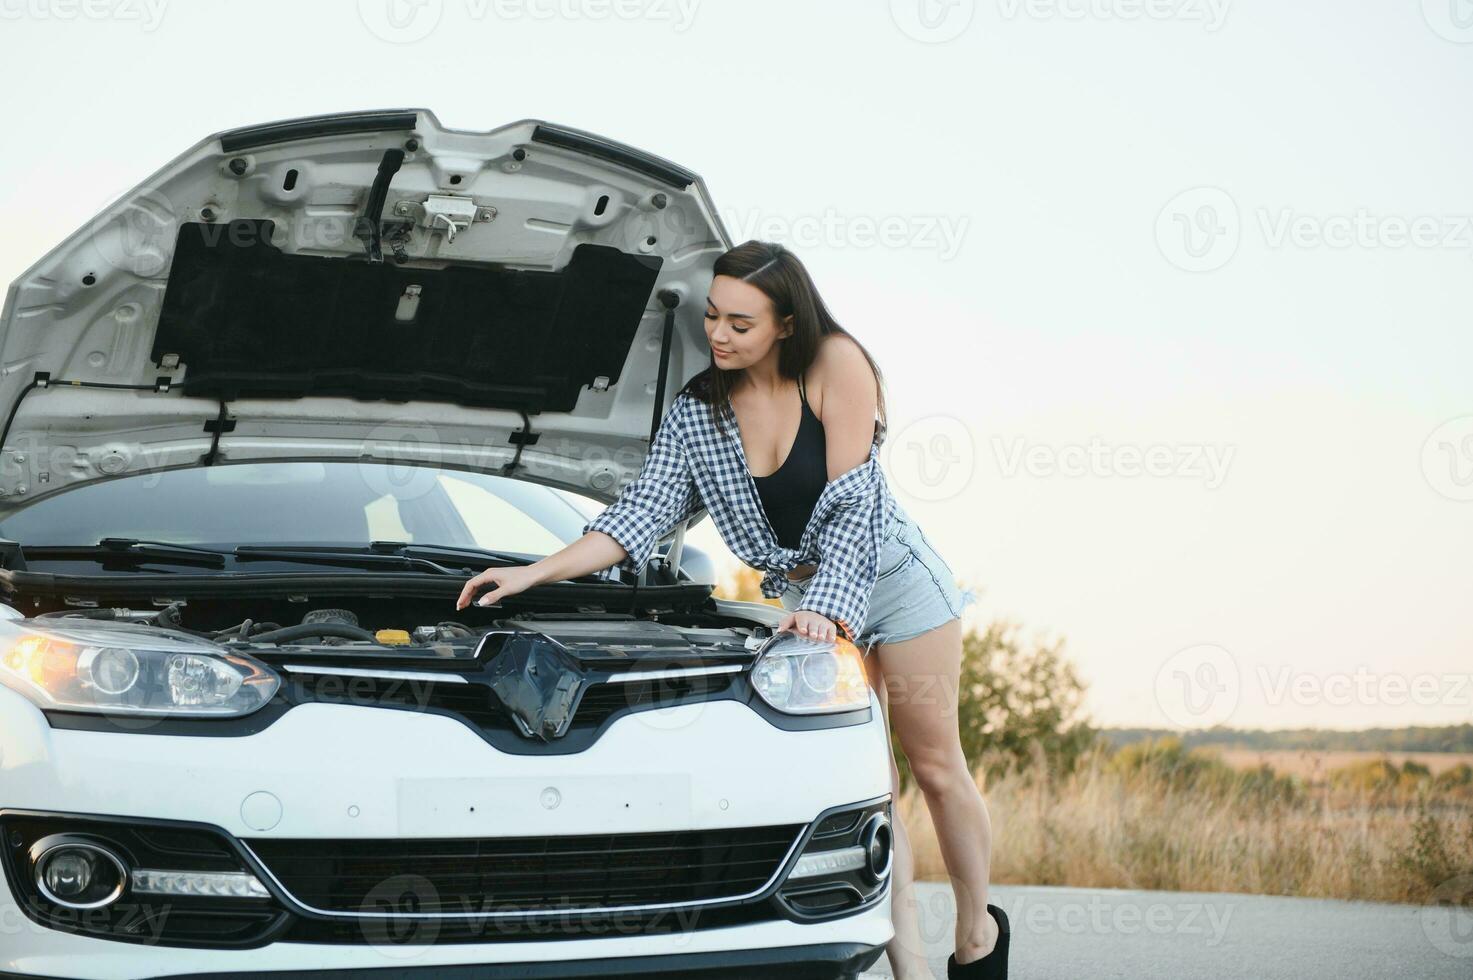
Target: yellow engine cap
{"x": 392, "y": 636}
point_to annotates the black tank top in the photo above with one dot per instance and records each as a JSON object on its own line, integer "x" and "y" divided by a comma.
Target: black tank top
{"x": 788, "y": 495}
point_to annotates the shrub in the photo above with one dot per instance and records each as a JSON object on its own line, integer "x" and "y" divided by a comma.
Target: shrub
{"x": 1369, "y": 776}
{"x": 1429, "y": 858}
{"x": 1167, "y": 763}
{"x": 1456, "y": 778}
{"x": 1018, "y": 705}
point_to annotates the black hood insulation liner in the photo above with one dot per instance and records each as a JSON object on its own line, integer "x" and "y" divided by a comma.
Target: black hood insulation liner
{"x": 251, "y": 321}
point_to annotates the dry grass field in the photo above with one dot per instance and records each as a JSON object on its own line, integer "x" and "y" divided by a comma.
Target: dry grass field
{"x": 1349, "y": 826}
{"x": 1375, "y": 826}
{"x": 1316, "y": 766}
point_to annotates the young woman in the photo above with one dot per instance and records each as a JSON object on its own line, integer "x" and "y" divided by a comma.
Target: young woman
{"x": 837, "y": 548}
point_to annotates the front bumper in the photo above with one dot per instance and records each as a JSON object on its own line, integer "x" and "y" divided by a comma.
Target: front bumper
{"x": 342, "y": 772}
{"x": 776, "y": 963}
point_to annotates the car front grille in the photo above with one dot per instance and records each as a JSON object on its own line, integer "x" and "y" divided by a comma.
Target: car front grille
{"x": 478, "y": 705}
{"x": 603, "y": 700}
{"x": 476, "y": 876}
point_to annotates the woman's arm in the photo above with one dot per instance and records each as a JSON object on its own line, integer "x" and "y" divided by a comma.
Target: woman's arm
{"x": 849, "y": 538}
{"x": 624, "y": 533}
{"x": 850, "y": 399}
{"x": 663, "y": 495}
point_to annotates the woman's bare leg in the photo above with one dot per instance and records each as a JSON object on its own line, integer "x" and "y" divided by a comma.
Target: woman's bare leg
{"x": 906, "y": 951}
{"x": 922, "y": 676}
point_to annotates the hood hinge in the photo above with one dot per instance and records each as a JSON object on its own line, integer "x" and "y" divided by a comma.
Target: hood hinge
{"x": 215, "y": 426}
{"x": 519, "y": 438}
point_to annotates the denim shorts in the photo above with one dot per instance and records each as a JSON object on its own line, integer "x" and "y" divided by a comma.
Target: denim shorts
{"x": 914, "y": 592}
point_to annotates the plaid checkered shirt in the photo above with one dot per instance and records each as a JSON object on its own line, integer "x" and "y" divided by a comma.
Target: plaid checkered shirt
{"x": 691, "y": 466}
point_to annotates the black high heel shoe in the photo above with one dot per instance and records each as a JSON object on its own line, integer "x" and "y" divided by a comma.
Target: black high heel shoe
{"x": 993, "y": 966}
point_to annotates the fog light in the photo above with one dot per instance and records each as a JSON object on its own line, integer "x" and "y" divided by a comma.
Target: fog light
{"x": 877, "y": 840}
{"x": 77, "y": 874}
{"x": 69, "y": 872}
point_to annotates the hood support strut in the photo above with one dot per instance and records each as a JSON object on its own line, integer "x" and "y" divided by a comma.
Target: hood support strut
{"x": 669, "y": 299}
{"x": 368, "y": 226}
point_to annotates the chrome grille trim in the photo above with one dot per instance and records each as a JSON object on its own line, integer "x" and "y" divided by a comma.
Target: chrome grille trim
{"x": 388, "y": 675}
{"x": 650, "y": 675}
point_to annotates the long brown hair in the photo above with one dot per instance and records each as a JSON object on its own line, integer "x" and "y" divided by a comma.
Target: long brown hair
{"x": 782, "y": 276}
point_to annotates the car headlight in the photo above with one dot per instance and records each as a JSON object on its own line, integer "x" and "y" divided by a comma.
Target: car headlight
{"x": 803, "y": 676}
{"x": 114, "y": 671}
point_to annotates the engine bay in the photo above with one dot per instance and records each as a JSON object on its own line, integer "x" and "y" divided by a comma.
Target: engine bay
{"x": 515, "y": 678}
{"x": 402, "y": 630}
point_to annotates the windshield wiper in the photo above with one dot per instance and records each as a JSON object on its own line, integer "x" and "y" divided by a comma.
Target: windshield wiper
{"x": 439, "y": 559}
{"x": 475, "y": 559}
{"x": 348, "y": 557}
{"x": 135, "y": 550}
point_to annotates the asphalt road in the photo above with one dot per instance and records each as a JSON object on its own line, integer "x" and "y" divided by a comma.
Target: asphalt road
{"x": 1085, "y": 934}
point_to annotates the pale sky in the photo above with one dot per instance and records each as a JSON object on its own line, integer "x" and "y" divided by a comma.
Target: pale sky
{"x": 1172, "y": 296}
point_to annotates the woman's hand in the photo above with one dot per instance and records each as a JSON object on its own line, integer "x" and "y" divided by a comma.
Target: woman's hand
{"x": 808, "y": 623}
{"x": 509, "y": 580}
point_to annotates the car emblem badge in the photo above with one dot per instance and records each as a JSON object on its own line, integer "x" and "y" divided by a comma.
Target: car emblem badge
{"x": 539, "y": 683}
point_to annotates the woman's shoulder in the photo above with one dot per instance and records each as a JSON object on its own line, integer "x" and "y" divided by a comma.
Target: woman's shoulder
{"x": 841, "y": 364}
{"x": 839, "y": 358}
{"x": 699, "y": 385}
{"x": 694, "y": 397}
{"x": 684, "y": 405}
{"x": 686, "y": 416}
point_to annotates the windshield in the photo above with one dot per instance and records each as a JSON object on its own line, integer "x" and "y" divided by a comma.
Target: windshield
{"x": 320, "y": 503}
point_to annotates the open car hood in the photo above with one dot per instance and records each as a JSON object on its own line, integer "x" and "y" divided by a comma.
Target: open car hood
{"x": 364, "y": 286}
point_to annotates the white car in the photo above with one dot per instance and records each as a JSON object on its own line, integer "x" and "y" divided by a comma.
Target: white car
{"x": 264, "y": 417}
